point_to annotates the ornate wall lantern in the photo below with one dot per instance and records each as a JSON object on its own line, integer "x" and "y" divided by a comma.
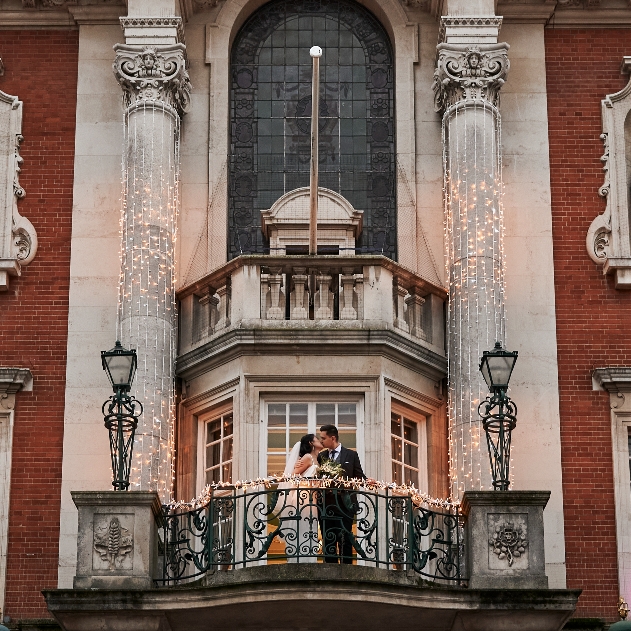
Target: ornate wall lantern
{"x": 498, "y": 412}
{"x": 121, "y": 411}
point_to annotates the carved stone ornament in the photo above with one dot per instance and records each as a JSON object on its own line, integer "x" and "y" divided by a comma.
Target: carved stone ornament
{"x": 153, "y": 73}
{"x": 18, "y": 239}
{"x": 113, "y": 544}
{"x": 174, "y": 22}
{"x": 508, "y": 541}
{"x": 469, "y": 73}
{"x": 608, "y": 239}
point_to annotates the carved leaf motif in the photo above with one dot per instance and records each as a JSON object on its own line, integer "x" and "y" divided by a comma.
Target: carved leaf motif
{"x": 113, "y": 543}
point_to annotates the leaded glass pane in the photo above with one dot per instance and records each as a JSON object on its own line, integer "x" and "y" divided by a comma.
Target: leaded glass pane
{"x": 271, "y": 116}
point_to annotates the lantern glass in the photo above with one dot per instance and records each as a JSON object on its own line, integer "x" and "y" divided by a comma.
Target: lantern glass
{"x": 497, "y": 366}
{"x": 120, "y": 365}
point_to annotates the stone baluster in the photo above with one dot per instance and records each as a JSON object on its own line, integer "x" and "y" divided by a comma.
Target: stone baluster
{"x": 223, "y": 296}
{"x": 272, "y": 297}
{"x": 467, "y": 82}
{"x": 299, "y": 297}
{"x": 348, "y": 311}
{"x": 400, "y": 294}
{"x": 323, "y": 298}
{"x": 156, "y": 91}
{"x": 414, "y": 304}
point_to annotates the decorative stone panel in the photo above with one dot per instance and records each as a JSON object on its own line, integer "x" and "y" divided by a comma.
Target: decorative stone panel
{"x": 113, "y": 542}
{"x": 508, "y": 541}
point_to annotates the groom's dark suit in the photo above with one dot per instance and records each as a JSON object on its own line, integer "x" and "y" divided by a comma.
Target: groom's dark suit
{"x": 338, "y": 511}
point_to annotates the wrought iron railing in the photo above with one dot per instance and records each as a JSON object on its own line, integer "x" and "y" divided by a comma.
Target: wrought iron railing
{"x": 309, "y": 524}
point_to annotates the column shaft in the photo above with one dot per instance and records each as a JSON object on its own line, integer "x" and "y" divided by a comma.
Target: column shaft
{"x": 467, "y": 82}
{"x": 156, "y": 89}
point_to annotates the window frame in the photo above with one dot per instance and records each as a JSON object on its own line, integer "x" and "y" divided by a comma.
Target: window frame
{"x": 421, "y": 419}
{"x": 203, "y": 419}
{"x": 311, "y": 400}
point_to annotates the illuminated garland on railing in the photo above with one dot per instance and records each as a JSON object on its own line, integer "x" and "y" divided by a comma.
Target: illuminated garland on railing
{"x": 354, "y": 484}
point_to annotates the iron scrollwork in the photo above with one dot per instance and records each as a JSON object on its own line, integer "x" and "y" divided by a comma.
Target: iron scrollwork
{"x": 310, "y": 523}
{"x": 499, "y": 418}
{"x": 121, "y": 412}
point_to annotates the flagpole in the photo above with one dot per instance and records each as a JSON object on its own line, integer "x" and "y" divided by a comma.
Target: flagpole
{"x": 316, "y": 53}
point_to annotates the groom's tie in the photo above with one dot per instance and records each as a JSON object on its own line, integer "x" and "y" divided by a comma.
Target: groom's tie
{"x": 333, "y": 456}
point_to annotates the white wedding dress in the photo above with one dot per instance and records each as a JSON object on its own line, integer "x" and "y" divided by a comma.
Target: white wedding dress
{"x": 301, "y": 534}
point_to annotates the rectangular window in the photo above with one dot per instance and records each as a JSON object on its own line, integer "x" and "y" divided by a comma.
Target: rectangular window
{"x": 406, "y": 443}
{"x": 288, "y": 422}
{"x": 218, "y": 444}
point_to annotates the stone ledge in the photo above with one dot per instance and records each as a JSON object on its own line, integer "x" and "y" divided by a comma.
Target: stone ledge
{"x": 277, "y": 596}
{"x": 342, "y": 340}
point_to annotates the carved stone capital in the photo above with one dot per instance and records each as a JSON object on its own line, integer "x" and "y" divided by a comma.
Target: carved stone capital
{"x": 469, "y": 73}
{"x": 153, "y": 73}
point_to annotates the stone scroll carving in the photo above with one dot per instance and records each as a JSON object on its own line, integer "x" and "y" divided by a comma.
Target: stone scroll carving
{"x": 608, "y": 239}
{"x": 113, "y": 543}
{"x": 18, "y": 239}
{"x": 469, "y": 73}
{"x": 153, "y": 73}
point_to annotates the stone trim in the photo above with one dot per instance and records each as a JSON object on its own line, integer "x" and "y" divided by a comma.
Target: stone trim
{"x": 12, "y": 380}
{"x": 18, "y": 239}
{"x": 608, "y": 239}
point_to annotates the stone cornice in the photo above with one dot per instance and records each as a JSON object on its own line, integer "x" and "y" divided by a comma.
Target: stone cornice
{"x": 153, "y": 73}
{"x": 469, "y": 73}
{"x": 272, "y": 338}
{"x": 12, "y": 380}
{"x": 614, "y": 379}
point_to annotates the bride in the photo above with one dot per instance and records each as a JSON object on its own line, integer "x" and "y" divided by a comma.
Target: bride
{"x": 301, "y": 503}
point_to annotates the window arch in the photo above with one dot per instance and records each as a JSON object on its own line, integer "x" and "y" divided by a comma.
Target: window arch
{"x": 270, "y": 111}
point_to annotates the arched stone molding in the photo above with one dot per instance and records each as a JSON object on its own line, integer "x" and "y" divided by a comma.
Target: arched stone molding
{"x": 219, "y": 37}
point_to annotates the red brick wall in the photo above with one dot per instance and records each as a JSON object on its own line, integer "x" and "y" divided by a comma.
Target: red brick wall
{"x": 41, "y": 69}
{"x": 583, "y": 65}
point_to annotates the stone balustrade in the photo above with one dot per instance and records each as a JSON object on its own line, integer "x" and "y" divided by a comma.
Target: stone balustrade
{"x": 301, "y": 291}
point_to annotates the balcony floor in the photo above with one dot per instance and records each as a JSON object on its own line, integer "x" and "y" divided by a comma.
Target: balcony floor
{"x": 306, "y": 597}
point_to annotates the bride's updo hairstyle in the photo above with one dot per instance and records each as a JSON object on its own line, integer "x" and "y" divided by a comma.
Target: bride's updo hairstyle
{"x": 305, "y": 444}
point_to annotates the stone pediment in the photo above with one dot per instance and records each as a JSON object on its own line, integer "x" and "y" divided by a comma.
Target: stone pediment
{"x": 291, "y": 212}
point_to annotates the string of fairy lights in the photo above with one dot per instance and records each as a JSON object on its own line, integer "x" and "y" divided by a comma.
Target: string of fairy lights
{"x": 475, "y": 268}
{"x": 146, "y": 307}
{"x": 271, "y": 482}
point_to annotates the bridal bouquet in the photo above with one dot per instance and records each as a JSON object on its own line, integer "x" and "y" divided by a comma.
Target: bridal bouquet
{"x": 330, "y": 470}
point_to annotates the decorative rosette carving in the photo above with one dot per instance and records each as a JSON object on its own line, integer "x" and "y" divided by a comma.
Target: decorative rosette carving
{"x": 154, "y": 73}
{"x": 508, "y": 541}
{"x": 469, "y": 73}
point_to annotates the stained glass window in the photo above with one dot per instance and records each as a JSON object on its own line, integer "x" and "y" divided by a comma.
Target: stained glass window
{"x": 271, "y": 116}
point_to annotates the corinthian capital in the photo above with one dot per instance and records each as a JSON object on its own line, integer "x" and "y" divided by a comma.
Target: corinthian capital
{"x": 469, "y": 73}
{"x": 153, "y": 73}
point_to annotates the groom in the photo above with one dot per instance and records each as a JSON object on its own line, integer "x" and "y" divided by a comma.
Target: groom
{"x": 338, "y": 511}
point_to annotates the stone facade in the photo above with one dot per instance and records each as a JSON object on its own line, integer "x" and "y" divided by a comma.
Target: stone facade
{"x": 373, "y": 330}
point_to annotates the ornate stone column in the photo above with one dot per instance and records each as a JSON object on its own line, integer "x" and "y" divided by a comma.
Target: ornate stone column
{"x": 156, "y": 93}
{"x": 467, "y": 82}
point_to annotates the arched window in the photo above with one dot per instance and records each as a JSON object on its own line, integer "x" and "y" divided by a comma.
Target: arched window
{"x": 270, "y": 109}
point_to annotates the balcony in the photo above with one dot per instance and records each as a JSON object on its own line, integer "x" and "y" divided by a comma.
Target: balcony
{"x": 314, "y": 302}
{"x": 251, "y": 556}
{"x": 306, "y": 523}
